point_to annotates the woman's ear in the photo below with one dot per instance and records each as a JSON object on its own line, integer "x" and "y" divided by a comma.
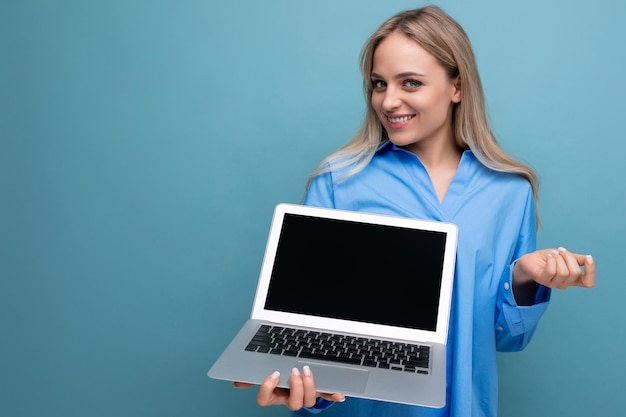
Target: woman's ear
{"x": 457, "y": 91}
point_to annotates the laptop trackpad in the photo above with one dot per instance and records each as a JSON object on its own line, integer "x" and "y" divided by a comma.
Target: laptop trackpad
{"x": 338, "y": 378}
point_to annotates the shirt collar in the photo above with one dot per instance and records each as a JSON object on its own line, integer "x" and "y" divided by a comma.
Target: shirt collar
{"x": 387, "y": 145}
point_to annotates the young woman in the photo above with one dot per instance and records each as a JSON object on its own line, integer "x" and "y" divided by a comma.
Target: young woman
{"x": 426, "y": 151}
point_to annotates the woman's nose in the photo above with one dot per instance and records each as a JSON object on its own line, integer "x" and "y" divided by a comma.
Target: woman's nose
{"x": 391, "y": 99}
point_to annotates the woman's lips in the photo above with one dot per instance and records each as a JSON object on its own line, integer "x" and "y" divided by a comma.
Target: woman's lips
{"x": 398, "y": 122}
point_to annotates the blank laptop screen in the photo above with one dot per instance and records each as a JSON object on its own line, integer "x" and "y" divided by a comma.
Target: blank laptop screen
{"x": 357, "y": 271}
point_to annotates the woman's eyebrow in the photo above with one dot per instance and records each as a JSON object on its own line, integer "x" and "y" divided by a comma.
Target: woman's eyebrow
{"x": 401, "y": 75}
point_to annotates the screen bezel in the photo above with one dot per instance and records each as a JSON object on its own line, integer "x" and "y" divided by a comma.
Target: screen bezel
{"x": 359, "y": 328}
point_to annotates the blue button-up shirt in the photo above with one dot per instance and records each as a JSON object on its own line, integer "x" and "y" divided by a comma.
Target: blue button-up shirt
{"x": 495, "y": 214}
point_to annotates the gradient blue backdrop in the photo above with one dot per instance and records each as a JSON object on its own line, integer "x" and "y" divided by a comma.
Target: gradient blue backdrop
{"x": 143, "y": 145}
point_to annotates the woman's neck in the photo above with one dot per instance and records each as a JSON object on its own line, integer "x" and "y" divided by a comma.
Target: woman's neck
{"x": 441, "y": 163}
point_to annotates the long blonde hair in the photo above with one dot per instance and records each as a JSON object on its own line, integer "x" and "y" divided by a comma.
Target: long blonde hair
{"x": 445, "y": 39}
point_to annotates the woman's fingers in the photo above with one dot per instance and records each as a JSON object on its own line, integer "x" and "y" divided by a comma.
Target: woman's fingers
{"x": 336, "y": 397}
{"x": 559, "y": 279}
{"x": 585, "y": 277}
{"x": 556, "y": 268}
{"x": 237, "y": 384}
{"x": 588, "y": 279}
{"x": 566, "y": 269}
{"x": 301, "y": 393}
{"x": 295, "y": 401}
{"x": 269, "y": 393}
{"x": 308, "y": 382}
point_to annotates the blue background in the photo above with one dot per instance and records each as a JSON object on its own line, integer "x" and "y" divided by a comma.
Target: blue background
{"x": 144, "y": 145}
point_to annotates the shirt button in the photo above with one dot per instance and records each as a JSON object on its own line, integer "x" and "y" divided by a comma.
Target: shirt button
{"x": 499, "y": 328}
{"x": 506, "y": 286}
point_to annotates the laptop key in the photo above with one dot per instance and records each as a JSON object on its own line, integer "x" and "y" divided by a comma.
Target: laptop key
{"x": 258, "y": 342}
{"x": 323, "y": 357}
{"x": 417, "y": 364}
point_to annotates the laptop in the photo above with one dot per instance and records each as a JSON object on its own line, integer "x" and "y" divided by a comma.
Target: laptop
{"x": 362, "y": 299}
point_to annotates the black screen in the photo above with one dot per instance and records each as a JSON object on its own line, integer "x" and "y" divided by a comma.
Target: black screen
{"x": 357, "y": 271}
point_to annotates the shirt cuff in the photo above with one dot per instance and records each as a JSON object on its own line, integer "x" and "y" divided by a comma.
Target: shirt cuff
{"x": 521, "y": 319}
{"x": 319, "y": 406}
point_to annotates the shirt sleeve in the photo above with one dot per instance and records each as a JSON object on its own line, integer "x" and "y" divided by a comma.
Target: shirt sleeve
{"x": 319, "y": 406}
{"x": 516, "y": 324}
{"x": 320, "y": 192}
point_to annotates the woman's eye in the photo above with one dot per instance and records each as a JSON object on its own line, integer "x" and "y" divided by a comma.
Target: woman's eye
{"x": 378, "y": 84}
{"x": 412, "y": 83}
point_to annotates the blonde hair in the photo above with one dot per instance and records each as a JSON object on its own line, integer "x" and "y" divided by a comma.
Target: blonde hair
{"x": 445, "y": 39}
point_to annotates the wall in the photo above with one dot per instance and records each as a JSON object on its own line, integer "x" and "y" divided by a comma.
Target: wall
{"x": 144, "y": 144}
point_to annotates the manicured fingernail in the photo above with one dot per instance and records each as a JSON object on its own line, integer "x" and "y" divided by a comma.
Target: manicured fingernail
{"x": 295, "y": 372}
{"x": 589, "y": 259}
{"x": 555, "y": 252}
{"x": 306, "y": 370}
{"x": 276, "y": 375}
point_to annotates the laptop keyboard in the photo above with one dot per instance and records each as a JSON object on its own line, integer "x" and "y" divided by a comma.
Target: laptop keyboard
{"x": 306, "y": 344}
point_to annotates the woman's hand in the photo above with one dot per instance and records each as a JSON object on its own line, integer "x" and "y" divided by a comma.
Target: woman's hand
{"x": 302, "y": 392}
{"x": 555, "y": 268}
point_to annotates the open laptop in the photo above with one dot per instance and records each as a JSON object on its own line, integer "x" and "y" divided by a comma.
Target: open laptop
{"x": 362, "y": 299}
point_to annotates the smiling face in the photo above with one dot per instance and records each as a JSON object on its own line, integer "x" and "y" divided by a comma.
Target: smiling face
{"x": 412, "y": 95}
